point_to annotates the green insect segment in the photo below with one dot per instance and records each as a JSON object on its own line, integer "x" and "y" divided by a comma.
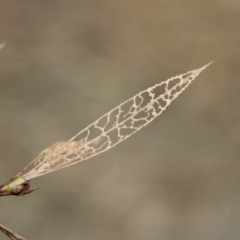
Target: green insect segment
{"x": 16, "y": 186}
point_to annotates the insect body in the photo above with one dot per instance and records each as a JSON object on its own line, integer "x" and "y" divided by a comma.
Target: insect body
{"x": 17, "y": 186}
{"x": 106, "y": 132}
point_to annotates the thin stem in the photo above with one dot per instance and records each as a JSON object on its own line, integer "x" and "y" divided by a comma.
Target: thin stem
{"x": 12, "y": 235}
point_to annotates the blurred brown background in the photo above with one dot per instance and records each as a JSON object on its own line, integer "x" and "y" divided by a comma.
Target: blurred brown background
{"x": 68, "y": 62}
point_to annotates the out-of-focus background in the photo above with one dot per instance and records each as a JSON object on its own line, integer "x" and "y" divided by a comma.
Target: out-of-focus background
{"x": 68, "y": 62}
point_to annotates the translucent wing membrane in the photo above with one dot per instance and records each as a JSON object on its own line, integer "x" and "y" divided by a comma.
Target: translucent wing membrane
{"x": 112, "y": 128}
{"x": 12, "y": 235}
